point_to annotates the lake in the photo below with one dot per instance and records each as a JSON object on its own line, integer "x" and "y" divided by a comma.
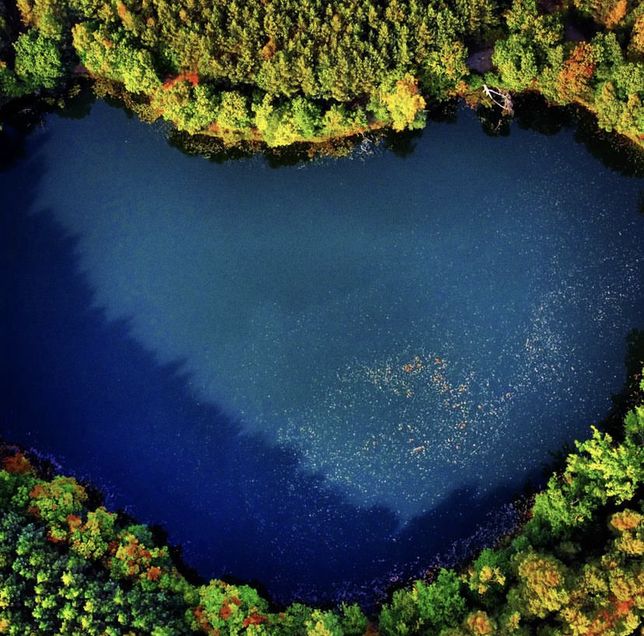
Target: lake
{"x": 324, "y": 377}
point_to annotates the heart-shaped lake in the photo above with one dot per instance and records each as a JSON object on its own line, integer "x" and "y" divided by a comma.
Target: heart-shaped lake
{"x": 320, "y": 375}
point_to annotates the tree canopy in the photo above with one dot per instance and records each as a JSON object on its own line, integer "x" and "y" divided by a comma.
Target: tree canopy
{"x": 285, "y": 71}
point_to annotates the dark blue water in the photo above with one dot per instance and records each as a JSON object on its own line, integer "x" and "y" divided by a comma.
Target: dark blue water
{"x": 315, "y": 377}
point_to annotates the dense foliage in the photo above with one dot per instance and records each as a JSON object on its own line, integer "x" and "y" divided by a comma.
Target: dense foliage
{"x": 575, "y": 568}
{"x": 282, "y": 71}
{"x": 68, "y": 566}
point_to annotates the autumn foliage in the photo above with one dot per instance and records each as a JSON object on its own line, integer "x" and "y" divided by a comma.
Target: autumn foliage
{"x": 17, "y": 464}
{"x": 574, "y": 77}
{"x": 288, "y": 72}
{"x": 191, "y": 77}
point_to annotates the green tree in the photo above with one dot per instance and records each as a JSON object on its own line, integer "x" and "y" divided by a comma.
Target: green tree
{"x": 39, "y": 61}
{"x": 542, "y": 585}
{"x": 233, "y": 111}
{"x": 398, "y": 101}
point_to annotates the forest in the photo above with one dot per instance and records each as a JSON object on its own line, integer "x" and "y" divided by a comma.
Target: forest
{"x": 70, "y": 566}
{"x": 280, "y": 72}
{"x": 285, "y": 71}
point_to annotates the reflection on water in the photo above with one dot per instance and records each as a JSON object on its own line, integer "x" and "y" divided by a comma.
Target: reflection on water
{"x": 408, "y": 328}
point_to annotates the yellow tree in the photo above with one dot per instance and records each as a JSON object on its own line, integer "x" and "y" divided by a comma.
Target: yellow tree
{"x": 404, "y": 103}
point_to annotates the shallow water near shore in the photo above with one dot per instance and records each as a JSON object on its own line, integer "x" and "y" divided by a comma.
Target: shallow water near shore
{"x": 316, "y": 377}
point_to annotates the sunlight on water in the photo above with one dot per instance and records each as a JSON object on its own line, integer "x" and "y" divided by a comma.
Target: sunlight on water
{"x": 406, "y": 326}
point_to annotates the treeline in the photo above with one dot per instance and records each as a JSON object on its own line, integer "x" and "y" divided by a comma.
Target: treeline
{"x": 603, "y": 72}
{"x": 69, "y": 566}
{"x": 284, "y": 71}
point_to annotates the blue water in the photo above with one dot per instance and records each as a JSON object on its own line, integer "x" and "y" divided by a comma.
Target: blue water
{"x": 316, "y": 377}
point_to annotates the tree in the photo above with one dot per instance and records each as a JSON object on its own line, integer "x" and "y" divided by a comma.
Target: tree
{"x": 116, "y": 57}
{"x": 598, "y": 473}
{"x": 398, "y": 101}
{"x": 542, "y": 585}
{"x": 352, "y": 620}
{"x": 54, "y": 502}
{"x": 488, "y": 574}
{"x": 48, "y": 17}
{"x": 576, "y": 72}
{"x": 38, "y": 62}
{"x": 441, "y": 603}
{"x": 190, "y": 107}
{"x": 436, "y": 605}
{"x": 229, "y": 609}
{"x": 233, "y": 111}
{"x": 323, "y": 624}
{"x": 480, "y": 624}
{"x": 91, "y": 539}
{"x": 608, "y": 13}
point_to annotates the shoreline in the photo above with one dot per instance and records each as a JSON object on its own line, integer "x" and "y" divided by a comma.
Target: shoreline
{"x": 231, "y": 144}
{"x": 614, "y": 149}
{"x": 491, "y": 532}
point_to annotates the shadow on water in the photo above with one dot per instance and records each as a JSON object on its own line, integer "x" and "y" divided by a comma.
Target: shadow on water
{"x": 403, "y": 144}
{"x": 79, "y": 388}
{"x": 21, "y": 117}
{"x": 17, "y": 125}
{"x": 532, "y": 112}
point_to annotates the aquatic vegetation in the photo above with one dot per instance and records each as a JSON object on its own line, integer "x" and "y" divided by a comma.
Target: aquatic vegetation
{"x": 68, "y": 566}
